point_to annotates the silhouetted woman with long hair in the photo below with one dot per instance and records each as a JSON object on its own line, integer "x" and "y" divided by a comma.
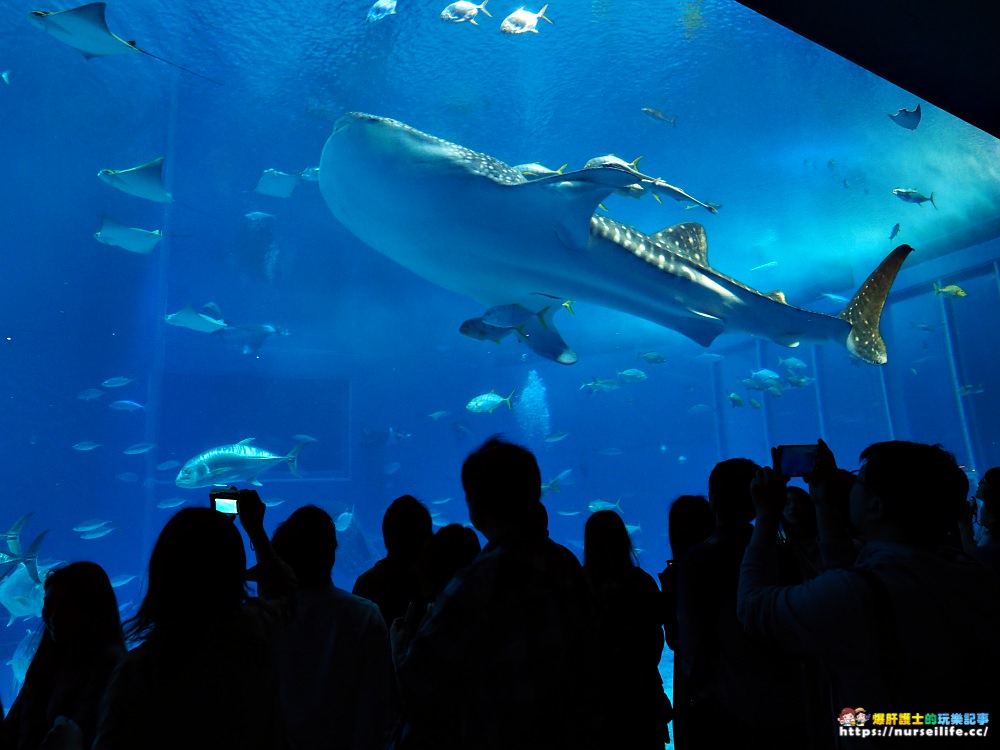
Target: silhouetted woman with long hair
{"x": 79, "y": 648}
{"x": 204, "y": 674}
{"x": 630, "y": 636}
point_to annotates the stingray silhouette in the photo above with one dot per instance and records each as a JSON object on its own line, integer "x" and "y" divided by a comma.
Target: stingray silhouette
{"x": 86, "y": 30}
{"x": 141, "y": 241}
{"x": 144, "y": 181}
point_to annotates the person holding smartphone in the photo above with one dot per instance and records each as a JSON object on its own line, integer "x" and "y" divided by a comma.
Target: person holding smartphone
{"x": 893, "y": 628}
{"x": 204, "y": 674}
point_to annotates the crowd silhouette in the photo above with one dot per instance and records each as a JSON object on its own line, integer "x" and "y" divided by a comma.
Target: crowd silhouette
{"x": 798, "y": 619}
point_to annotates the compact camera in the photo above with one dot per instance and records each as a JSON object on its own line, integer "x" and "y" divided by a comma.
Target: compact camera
{"x": 225, "y": 501}
{"x": 795, "y": 460}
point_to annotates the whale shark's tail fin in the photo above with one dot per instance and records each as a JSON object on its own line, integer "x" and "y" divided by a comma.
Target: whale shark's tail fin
{"x": 864, "y": 311}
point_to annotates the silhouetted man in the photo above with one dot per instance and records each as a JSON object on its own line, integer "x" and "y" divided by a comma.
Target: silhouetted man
{"x": 393, "y": 582}
{"x": 503, "y": 660}
{"x": 338, "y": 689}
{"x": 911, "y": 627}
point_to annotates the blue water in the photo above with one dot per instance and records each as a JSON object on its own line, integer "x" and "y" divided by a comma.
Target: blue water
{"x": 794, "y": 142}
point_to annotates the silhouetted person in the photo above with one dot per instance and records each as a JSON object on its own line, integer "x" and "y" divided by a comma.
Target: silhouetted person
{"x": 80, "y": 646}
{"x": 338, "y": 685}
{"x": 689, "y": 522}
{"x": 905, "y": 595}
{"x": 502, "y": 662}
{"x": 393, "y": 582}
{"x": 987, "y": 550}
{"x": 799, "y": 531}
{"x": 736, "y": 683}
{"x": 452, "y": 548}
{"x": 635, "y": 711}
{"x": 205, "y": 675}
{"x": 448, "y": 551}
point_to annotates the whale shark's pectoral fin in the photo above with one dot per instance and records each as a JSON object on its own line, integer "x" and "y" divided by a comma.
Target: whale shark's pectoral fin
{"x": 701, "y": 328}
{"x": 579, "y": 194}
{"x": 543, "y": 339}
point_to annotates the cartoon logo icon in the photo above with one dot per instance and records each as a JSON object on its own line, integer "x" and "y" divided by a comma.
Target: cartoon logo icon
{"x": 860, "y": 717}
{"x": 846, "y": 718}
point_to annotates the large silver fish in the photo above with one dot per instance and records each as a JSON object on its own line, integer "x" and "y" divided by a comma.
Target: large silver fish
{"x": 476, "y": 226}
{"x": 22, "y": 594}
{"x": 227, "y": 464}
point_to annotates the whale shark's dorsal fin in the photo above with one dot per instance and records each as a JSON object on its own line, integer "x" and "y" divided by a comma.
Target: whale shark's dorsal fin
{"x": 246, "y": 441}
{"x": 687, "y": 240}
{"x": 864, "y": 311}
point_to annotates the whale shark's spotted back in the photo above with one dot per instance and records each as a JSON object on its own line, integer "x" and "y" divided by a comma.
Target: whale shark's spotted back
{"x": 477, "y": 163}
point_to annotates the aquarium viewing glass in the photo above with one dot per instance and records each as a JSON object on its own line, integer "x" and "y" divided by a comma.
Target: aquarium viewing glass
{"x": 286, "y": 328}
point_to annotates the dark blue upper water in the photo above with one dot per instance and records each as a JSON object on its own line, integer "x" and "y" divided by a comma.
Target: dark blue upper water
{"x": 792, "y": 141}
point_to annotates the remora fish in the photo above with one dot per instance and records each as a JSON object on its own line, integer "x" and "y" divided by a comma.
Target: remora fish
{"x": 226, "y": 464}
{"x": 557, "y": 247}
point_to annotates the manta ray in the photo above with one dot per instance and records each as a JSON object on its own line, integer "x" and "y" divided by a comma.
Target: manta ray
{"x": 907, "y": 118}
{"x": 85, "y": 29}
{"x": 474, "y": 225}
{"x": 277, "y": 184}
{"x": 207, "y": 320}
{"x": 250, "y": 338}
{"x": 144, "y": 181}
{"x": 141, "y": 241}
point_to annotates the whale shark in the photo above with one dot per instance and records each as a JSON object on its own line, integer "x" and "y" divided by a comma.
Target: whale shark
{"x": 472, "y": 224}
